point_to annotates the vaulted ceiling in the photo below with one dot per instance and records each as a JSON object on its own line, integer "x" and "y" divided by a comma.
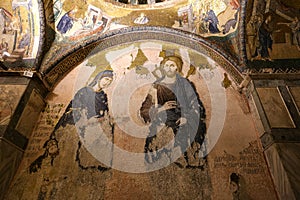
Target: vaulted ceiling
{"x": 42, "y": 35}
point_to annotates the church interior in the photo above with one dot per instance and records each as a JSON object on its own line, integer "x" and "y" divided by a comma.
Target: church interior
{"x": 149, "y": 99}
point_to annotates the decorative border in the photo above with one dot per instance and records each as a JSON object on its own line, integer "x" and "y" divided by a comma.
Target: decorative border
{"x": 58, "y": 68}
{"x": 242, "y": 33}
{"x": 273, "y": 71}
{"x": 66, "y": 65}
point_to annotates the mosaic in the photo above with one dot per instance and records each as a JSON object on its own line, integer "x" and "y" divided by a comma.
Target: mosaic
{"x": 19, "y": 33}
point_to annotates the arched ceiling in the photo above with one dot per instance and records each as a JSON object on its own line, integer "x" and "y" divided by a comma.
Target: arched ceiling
{"x": 54, "y": 28}
{"x": 42, "y": 34}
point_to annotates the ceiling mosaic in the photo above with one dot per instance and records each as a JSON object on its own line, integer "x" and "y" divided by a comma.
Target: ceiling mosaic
{"x": 209, "y": 19}
{"x": 84, "y": 18}
{"x": 68, "y": 22}
{"x": 273, "y": 33}
{"x": 33, "y": 32}
{"x": 19, "y": 32}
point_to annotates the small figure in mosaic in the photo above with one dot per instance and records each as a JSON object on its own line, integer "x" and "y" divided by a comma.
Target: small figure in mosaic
{"x": 212, "y": 21}
{"x": 47, "y": 159}
{"x": 252, "y": 28}
{"x": 265, "y": 37}
{"x": 66, "y": 22}
{"x": 142, "y": 19}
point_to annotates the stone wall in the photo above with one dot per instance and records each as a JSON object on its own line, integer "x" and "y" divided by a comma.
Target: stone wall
{"x": 22, "y": 100}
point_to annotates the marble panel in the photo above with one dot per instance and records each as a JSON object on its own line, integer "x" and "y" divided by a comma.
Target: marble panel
{"x": 295, "y": 91}
{"x": 283, "y": 161}
{"x": 290, "y": 156}
{"x": 30, "y": 114}
{"x": 275, "y": 108}
{"x": 9, "y": 99}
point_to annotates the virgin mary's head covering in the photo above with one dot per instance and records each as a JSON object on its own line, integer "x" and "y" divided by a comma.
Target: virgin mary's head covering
{"x": 105, "y": 73}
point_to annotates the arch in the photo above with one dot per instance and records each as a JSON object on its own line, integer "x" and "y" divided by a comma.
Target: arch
{"x": 57, "y": 69}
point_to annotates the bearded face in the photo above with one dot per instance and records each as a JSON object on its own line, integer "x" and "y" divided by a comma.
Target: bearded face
{"x": 170, "y": 68}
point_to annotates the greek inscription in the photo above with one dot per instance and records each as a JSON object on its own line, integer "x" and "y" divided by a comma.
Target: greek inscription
{"x": 50, "y": 116}
{"x": 249, "y": 161}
